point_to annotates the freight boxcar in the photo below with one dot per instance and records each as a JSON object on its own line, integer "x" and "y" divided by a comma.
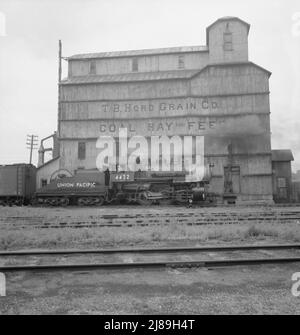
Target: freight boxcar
{"x": 17, "y": 184}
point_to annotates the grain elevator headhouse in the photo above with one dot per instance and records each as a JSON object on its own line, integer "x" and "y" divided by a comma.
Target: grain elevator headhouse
{"x": 211, "y": 91}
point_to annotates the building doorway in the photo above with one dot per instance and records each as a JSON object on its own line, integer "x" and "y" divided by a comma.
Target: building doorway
{"x": 232, "y": 183}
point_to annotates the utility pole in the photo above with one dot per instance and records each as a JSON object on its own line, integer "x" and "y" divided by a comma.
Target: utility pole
{"x": 59, "y": 88}
{"x": 32, "y": 143}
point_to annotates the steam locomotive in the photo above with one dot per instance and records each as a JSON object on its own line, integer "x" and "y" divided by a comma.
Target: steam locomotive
{"x": 92, "y": 188}
{"x": 95, "y": 188}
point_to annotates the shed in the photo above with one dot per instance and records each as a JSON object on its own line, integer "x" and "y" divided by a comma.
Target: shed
{"x": 282, "y": 175}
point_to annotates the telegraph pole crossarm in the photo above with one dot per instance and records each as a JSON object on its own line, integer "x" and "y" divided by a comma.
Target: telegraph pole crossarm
{"x": 32, "y": 143}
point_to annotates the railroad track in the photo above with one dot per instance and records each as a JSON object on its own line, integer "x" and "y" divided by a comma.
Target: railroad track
{"x": 148, "y": 219}
{"x": 186, "y": 257}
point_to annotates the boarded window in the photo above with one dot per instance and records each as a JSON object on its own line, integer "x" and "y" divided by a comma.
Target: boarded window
{"x": 281, "y": 182}
{"x": 135, "y": 65}
{"x": 181, "y": 62}
{"x": 93, "y": 67}
{"x": 227, "y": 41}
{"x": 81, "y": 150}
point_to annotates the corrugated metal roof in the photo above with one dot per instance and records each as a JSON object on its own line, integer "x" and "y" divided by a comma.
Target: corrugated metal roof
{"x": 282, "y": 155}
{"x": 148, "y": 76}
{"x": 130, "y": 77}
{"x": 143, "y": 52}
{"x": 228, "y": 64}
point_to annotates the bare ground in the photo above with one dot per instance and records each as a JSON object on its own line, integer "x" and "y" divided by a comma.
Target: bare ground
{"x": 239, "y": 290}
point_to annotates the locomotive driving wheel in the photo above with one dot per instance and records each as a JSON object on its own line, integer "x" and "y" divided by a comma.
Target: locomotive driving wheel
{"x": 143, "y": 199}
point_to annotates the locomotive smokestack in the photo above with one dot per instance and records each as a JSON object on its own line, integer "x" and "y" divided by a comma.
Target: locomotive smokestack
{"x": 41, "y": 155}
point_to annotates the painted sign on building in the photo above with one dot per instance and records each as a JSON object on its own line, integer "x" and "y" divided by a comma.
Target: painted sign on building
{"x": 189, "y": 104}
{"x": 181, "y": 126}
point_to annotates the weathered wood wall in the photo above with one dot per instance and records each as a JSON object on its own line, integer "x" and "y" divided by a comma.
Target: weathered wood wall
{"x": 227, "y": 103}
{"x": 110, "y": 66}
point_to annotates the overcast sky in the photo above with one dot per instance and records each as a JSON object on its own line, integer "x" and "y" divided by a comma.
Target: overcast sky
{"x": 28, "y": 53}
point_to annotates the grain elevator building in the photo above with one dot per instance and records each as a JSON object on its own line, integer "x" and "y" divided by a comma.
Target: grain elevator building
{"x": 211, "y": 90}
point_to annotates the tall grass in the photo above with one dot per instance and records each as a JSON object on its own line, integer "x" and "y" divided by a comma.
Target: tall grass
{"x": 112, "y": 237}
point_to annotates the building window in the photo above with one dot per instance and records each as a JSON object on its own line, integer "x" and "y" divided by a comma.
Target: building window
{"x": 227, "y": 38}
{"x": 43, "y": 182}
{"x": 181, "y": 62}
{"x": 281, "y": 182}
{"x": 228, "y": 42}
{"x": 135, "y": 65}
{"x": 93, "y": 67}
{"x": 81, "y": 150}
